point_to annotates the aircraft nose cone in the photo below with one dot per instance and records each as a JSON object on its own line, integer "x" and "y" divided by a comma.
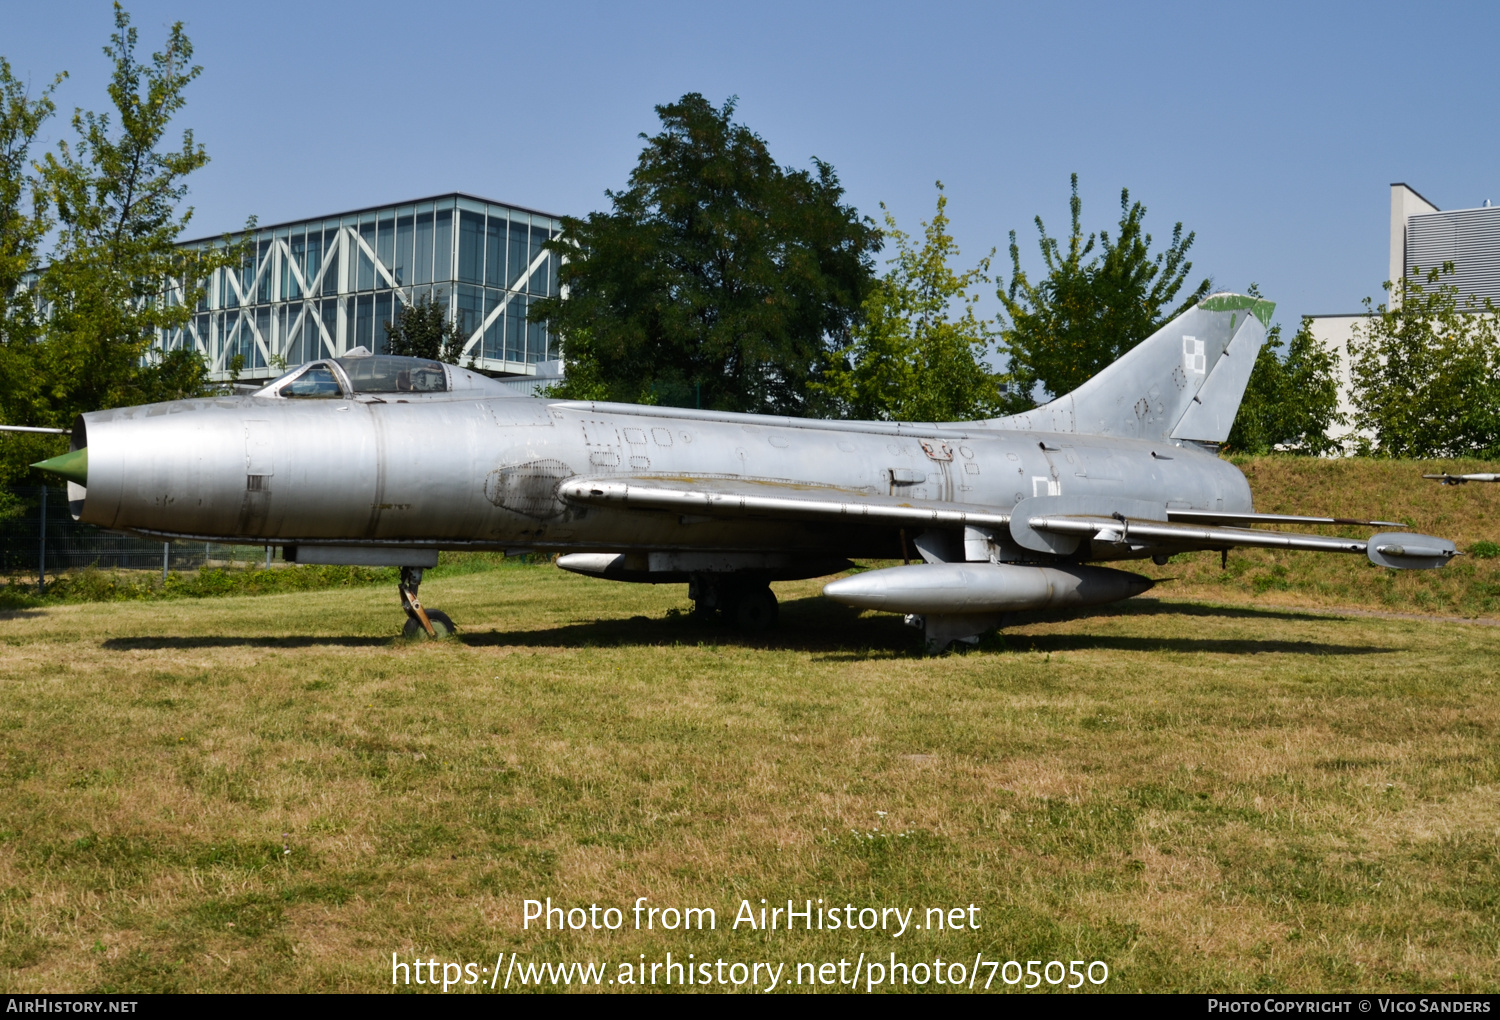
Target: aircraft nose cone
{"x": 73, "y": 466}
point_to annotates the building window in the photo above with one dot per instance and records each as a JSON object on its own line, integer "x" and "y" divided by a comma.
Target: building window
{"x": 470, "y": 247}
{"x": 494, "y": 240}
{"x": 442, "y": 246}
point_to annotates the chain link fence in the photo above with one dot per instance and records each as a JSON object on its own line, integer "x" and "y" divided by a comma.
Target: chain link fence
{"x": 35, "y": 542}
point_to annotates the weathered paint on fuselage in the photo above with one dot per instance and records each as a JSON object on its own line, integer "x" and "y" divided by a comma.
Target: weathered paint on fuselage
{"x": 482, "y": 473}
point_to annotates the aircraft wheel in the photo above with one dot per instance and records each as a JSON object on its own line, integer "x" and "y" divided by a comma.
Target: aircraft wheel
{"x": 755, "y": 611}
{"x": 442, "y": 625}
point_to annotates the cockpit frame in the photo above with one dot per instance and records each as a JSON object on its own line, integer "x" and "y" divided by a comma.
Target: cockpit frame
{"x": 369, "y": 375}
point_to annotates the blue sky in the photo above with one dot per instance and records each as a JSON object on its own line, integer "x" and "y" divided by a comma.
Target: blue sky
{"x": 1272, "y": 130}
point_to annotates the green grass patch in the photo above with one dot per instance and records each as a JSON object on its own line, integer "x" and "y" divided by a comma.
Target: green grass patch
{"x": 1208, "y": 790}
{"x": 275, "y": 793}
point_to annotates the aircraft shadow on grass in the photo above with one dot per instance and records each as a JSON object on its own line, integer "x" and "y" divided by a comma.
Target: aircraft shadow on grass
{"x": 823, "y": 627}
{"x": 145, "y": 642}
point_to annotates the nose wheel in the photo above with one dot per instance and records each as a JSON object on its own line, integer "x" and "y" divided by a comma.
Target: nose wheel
{"x": 441, "y": 624}
{"x": 420, "y": 622}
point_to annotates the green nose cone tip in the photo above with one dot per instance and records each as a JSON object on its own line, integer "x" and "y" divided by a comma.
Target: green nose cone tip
{"x": 73, "y": 466}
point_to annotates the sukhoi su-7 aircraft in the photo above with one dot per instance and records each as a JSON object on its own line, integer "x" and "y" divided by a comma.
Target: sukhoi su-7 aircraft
{"x": 370, "y": 459}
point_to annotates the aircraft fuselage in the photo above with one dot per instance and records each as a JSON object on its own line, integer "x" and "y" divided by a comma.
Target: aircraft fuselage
{"x": 483, "y": 472}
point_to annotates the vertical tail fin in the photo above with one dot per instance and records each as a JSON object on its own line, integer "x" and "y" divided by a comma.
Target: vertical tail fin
{"x": 1185, "y": 381}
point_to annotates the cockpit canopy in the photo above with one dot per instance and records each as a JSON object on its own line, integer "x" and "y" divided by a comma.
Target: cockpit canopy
{"x": 385, "y": 373}
{"x": 358, "y": 374}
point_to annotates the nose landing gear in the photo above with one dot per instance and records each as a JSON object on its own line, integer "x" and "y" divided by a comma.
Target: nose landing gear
{"x": 427, "y": 623}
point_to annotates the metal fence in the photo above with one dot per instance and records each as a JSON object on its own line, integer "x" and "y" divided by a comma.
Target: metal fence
{"x": 46, "y": 539}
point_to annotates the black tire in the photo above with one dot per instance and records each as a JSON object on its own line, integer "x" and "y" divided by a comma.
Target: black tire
{"x": 755, "y": 611}
{"x": 442, "y": 625}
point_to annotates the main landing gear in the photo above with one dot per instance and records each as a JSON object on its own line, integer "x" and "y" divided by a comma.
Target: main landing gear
{"x": 749, "y": 605}
{"x": 424, "y": 623}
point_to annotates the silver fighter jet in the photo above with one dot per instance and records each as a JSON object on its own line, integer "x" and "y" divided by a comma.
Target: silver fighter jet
{"x": 369, "y": 459}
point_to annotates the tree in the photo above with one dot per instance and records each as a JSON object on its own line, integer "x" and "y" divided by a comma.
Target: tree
{"x": 24, "y": 219}
{"x": 1292, "y": 399}
{"x": 1087, "y": 312}
{"x": 1426, "y": 373}
{"x": 423, "y": 330}
{"x": 717, "y": 278}
{"x": 910, "y": 361}
{"x": 114, "y": 276}
{"x": 24, "y": 222}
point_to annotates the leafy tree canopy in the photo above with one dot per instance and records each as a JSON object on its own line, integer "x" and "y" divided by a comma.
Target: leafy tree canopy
{"x": 1090, "y": 308}
{"x": 78, "y": 337}
{"x": 718, "y": 277}
{"x": 1426, "y": 372}
{"x": 24, "y": 218}
{"x": 911, "y": 360}
{"x": 1292, "y": 399}
{"x": 423, "y": 330}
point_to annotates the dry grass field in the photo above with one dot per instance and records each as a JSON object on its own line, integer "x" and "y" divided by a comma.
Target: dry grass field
{"x": 1207, "y": 790}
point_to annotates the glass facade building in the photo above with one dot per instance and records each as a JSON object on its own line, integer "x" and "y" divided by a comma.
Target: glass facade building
{"x": 317, "y": 288}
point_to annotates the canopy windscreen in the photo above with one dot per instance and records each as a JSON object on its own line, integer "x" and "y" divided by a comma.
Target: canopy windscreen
{"x": 384, "y": 373}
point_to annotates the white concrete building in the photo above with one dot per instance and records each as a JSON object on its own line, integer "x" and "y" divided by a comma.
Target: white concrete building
{"x": 1423, "y": 237}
